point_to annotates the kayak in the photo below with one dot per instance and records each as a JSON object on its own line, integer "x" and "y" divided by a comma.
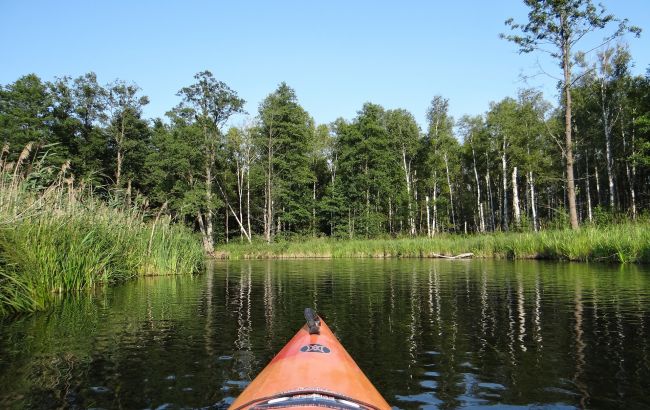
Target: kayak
{"x": 312, "y": 370}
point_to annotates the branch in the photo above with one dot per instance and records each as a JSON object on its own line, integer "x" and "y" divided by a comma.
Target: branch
{"x": 581, "y": 75}
{"x": 241, "y": 226}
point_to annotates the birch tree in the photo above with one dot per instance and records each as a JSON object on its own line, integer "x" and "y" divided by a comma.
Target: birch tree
{"x": 123, "y": 104}
{"x": 212, "y": 103}
{"x": 404, "y": 133}
{"x": 556, "y": 27}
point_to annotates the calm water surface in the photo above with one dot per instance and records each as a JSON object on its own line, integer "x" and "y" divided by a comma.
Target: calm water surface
{"x": 428, "y": 333}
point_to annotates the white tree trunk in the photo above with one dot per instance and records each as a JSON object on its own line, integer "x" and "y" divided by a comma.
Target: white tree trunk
{"x": 248, "y": 198}
{"x": 313, "y": 209}
{"x": 428, "y": 217}
{"x": 490, "y": 199}
{"x": 504, "y": 174}
{"x": 588, "y": 191}
{"x": 628, "y": 173}
{"x": 607, "y": 128}
{"x": 407, "y": 175}
{"x": 451, "y": 193}
{"x": 435, "y": 204}
{"x": 600, "y": 201}
{"x": 479, "y": 204}
{"x": 515, "y": 198}
{"x": 533, "y": 204}
{"x": 208, "y": 237}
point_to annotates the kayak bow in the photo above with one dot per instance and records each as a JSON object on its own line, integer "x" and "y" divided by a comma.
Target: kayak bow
{"x": 312, "y": 370}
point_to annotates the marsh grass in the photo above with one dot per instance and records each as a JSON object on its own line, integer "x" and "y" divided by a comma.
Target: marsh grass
{"x": 623, "y": 243}
{"x": 57, "y": 238}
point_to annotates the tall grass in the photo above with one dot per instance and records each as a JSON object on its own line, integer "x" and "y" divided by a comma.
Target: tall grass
{"x": 623, "y": 243}
{"x": 55, "y": 237}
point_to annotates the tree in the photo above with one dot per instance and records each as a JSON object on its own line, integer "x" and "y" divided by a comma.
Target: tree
{"x": 319, "y": 151}
{"x": 439, "y": 156}
{"x": 560, "y": 25}
{"x": 89, "y": 99}
{"x": 285, "y": 135}
{"x": 405, "y": 133}
{"x": 240, "y": 152}
{"x": 211, "y": 103}
{"x": 471, "y": 128}
{"x": 125, "y": 109}
{"x": 175, "y": 167}
{"x": 25, "y": 114}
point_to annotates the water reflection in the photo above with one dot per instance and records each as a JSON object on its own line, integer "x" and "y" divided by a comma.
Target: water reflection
{"x": 429, "y": 334}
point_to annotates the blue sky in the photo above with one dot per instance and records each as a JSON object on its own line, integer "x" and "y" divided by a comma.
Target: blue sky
{"x": 335, "y": 54}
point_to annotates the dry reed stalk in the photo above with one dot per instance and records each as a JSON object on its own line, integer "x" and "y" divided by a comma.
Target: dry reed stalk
{"x": 13, "y": 191}
{"x": 21, "y": 158}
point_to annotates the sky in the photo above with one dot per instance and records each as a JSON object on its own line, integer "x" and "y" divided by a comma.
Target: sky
{"x": 336, "y": 55}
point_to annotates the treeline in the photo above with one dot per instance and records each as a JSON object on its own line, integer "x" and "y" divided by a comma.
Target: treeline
{"x": 280, "y": 174}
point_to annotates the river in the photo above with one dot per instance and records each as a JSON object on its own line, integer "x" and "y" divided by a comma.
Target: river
{"x": 428, "y": 333}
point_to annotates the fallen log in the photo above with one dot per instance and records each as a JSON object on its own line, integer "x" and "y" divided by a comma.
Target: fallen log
{"x": 459, "y": 256}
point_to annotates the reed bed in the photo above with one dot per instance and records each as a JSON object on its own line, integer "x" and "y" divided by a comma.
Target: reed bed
{"x": 56, "y": 238}
{"x": 624, "y": 243}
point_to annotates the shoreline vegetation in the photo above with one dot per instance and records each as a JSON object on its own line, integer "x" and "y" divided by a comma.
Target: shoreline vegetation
{"x": 56, "y": 238}
{"x": 622, "y": 243}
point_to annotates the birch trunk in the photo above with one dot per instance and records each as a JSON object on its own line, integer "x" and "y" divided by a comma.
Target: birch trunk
{"x": 490, "y": 199}
{"x": 533, "y": 205}
{"x": 390, "y": 216}
{"x": 451, "y": 193}
{"x": 240, "y": 194}
{"x": 566, "y": 68}
{"x": 632, "y": 190}
{"x": 608, "y": 151}
{"x": 600, "y": 201}
{"x": 608, "y": 124}
{"x": 504, "y": 180}
{"x": 407, "y": 175}
{"x": 479, "y": 204}
{"x": 208, "y": 238}
{"x": 248, "y": 198}
{"x": 426, "y": 198}
{"x": 435, "y": 203}
{"x": 313, "y": 209}
{"x": 515, "y": 198}
{"x": 588, "y": 191}
{"x": 628, "y": 173}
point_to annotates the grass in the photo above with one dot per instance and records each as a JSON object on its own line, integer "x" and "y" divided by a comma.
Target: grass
{"x": 55, "y": 238}
{"x": 623, "y": 243}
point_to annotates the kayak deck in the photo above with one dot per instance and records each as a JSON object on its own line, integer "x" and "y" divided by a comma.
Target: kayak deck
{"x": 312, "y": 370}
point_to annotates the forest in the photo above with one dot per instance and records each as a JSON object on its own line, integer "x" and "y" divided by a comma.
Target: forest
{"x": 278, "y": 174}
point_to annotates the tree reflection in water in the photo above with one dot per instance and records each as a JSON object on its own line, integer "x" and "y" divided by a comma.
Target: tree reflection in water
{"x": 427, "y": 333}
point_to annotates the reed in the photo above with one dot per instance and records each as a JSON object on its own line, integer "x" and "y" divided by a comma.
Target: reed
{"x": 623, "y": 243}
{"x": 57, "y": 238}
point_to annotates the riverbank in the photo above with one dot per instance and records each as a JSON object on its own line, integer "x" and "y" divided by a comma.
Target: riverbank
{"x": 57, "y": 238}
{"x": 625, "y": 243}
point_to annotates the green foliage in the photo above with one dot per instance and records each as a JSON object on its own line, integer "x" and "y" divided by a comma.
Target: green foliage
{"x": 280, "y": 175}
{"x": 287, "y": 131}
{"x": 624, "y": 243}
{"x": 55, "y": 238}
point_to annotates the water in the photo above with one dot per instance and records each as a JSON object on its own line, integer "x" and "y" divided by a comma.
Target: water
{"x": 428, "y": 333}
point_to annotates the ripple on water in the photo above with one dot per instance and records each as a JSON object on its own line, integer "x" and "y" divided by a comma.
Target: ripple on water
{"x": 423, "y": 398}
{"x": 429, "y": 384}
{"x": 99, "y": 389}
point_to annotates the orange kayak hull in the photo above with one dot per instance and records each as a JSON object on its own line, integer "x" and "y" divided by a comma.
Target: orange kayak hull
{"x": 311, "y": 364}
